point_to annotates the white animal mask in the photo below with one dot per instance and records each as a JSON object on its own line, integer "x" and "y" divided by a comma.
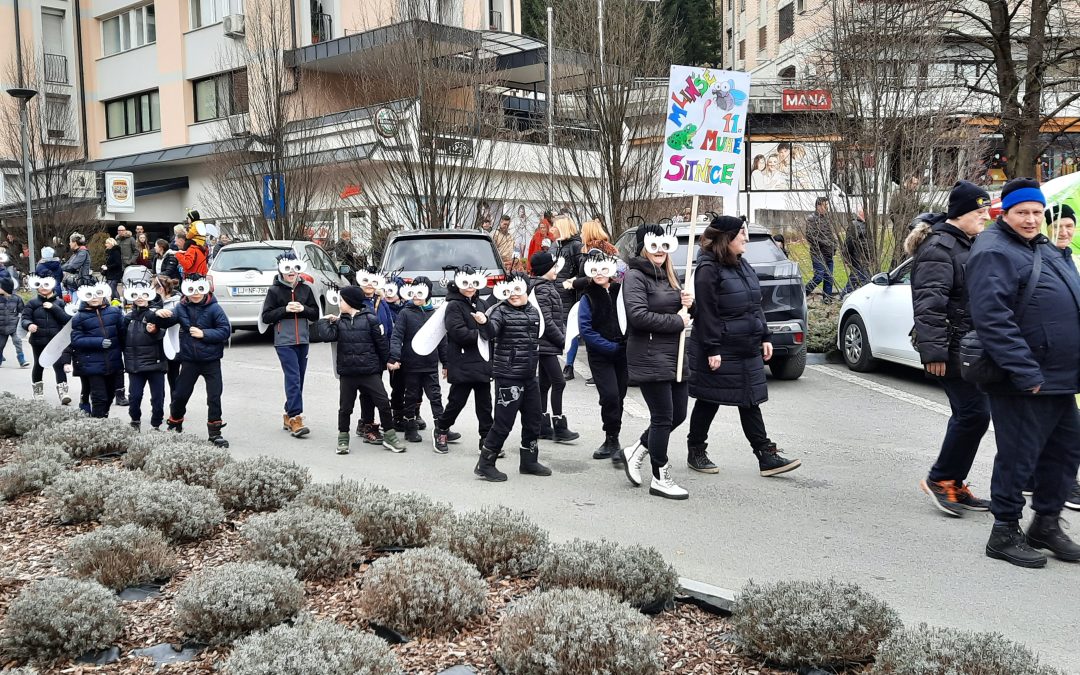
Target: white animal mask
{"x": 366, "y": 278}
{"x": 475, "y": 280}
{"x": 135, "y": 292}
{"x": 195, "y": 287}
{"x": 603, "y": 267}
{"x": 655, "y": 243}
{"x": 36, "y": 283}
{"x": 291, "y": 266}
{"x": 512, "y": 286}
{"x": 415, "y": 292}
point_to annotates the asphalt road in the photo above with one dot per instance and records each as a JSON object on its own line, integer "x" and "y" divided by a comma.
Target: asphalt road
{"x": 853, "y": 511}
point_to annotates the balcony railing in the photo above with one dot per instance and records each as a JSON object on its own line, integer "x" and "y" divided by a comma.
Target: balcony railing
{"x": 322, "y": 28}
{"x": 495, "y": 20}
{"x": 56, "y": 69}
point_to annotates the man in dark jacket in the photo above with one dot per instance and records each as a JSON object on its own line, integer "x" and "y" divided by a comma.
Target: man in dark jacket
{"x": 421, "y": 372}
{"x": 1036, "y": 420}
{"x": 822, "y": 241}
{"x": 42, "y": 318}
{"x": 144, "y": 355}
{"x": 858, "y": 253}
{"x": 129, "y": 250}
{"x": 288, "y": 308}
{"x": 545, "y": 268}
{"x": 97, "y": 343}
{"x": 939, "y": 300}
{"x": 204, "y": 330}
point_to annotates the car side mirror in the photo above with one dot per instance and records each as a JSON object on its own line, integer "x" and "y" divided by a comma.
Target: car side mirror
{"x": 344, "y": 270}
{"x": 880, "y": 279}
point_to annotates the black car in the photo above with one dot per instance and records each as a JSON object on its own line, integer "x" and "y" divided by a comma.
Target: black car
{"x": 782, "y": 295}
{"x": 432, "y": 254}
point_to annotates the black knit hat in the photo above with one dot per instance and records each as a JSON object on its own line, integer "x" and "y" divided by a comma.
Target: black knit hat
{"x": 1020, "y": 190}
{"x": 727, "y": 224}
{"x": 965, "y": 198}
{"x": 8, "y": 284}
{"x": 644, "y": 230}
{"x": 541, "y": 263}
{"x": 353, "y": 295}
{"x": 1060, "y": 212}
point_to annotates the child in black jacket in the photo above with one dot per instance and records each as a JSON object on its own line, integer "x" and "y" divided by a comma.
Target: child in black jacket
{"x": 515, "y": 326}
{"x": 421, "y": 372}
{"x": 360, "y": 360}
{"x": 42, "y": 318}
{"x": 144, "y": 354}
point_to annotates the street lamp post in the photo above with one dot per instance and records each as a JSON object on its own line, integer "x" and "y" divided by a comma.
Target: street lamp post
{"x": 24, "y": 96}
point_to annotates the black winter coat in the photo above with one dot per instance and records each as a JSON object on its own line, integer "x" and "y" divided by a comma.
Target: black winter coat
{"x": 1043, "y": 348}
{"x": 170, "y": 266}
{"x": 729, "y": 323}
{"x": 11, "y": 312}
{"x": 939, "y": 296}
{"x": 208, "y": 316}
{"x": 410, "y": 320}
{"x": 516, "y": 333}
{"x": 652, "y": 324}
{"x": 48, "y": 321}
{"x": 570, "y": 251}
{"x": 89, "y": 327}
{"x": 555, "y": 315}
{"x": 289, "y": 329}
{"x": 598, "y": 320}
{"x": 464, "y": 364}
{"x": 820, "y": 236}
{"x": 114, "y": 264}
{"x": 361, "y": 345}
{"x": 144, "y": 352}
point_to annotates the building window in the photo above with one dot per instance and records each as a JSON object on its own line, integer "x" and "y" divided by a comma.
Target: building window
{"x": 134, "y": 28}
{"x": 742, "y": 5}
{"x": 800, "y": 5}
{"x": 763, "y": 38}
{"x": 207, "y": 12}
{"x": 787, "y": 22}
{"x": 221, "y": 95}
{"x": 133, "y": 115}
{"x": 742, "y": 50}
{"x": 57, "y": 120}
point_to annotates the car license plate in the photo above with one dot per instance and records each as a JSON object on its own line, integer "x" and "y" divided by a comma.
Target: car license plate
{"x": 435, "y": 302}
{"x": 248, "y": 290}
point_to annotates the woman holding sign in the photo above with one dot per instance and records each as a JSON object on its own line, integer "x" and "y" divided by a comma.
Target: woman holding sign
{"x": 657, "y": 313}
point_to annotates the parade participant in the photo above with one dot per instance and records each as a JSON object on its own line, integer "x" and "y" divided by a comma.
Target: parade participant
{"x": 569, "y": 249}
{"x": 420, "y": 372}
{"x": 390, "y": 292}
{"x": 192, "y": 255}
{"x": 657, "y": 312}
{"x": 729, "y": 347}
{"x": 370, "y": 282}
{"x": 97, "y": 343}
{"x": 553, "y": 425}
{"x": 360, "y": 358}
{"x": 169, "y": 296}
{"x": 940, "y": 248}
{"x": 42, "y": 319}
{"x": 288, "y": 308}
{"x": 11, "y": 311}
{"x": 515, "y": 326}
{"x": 49, "y": 266}
{"x": 204, "y": 330}
{"x": 144, "y": 354}
{"x": 1024, "y": 302}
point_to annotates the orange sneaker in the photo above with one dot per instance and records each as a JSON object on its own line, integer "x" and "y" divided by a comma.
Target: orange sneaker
{"x": 967, "y": 499}
{"x": 945, "y": 496}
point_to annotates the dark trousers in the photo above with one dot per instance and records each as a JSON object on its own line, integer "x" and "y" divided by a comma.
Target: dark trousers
{"x": 18, "y": 347}
{"x": 552, "y": 383}
{"x": 1036, "y": 436}
{"x": 397, "y": 400}
{"x": 609, "y": 376}
{"x": 418, "y": 385}
{"x": 967, "y": 426}
{"x": 136, "y": 384}
{"x": 857, "y": 277}
{"x": 102, "y": 390}
{"x": 512, "y": 396}
{"x": 455, "y": 403}
{"x": 190, "y": 372}
{"x": 823, "y": 272}
{"x": 368, "y": 387}
{"x": 753, "y": 425}
{"x": 172, "y": 375}
{"x": 293, "y": 359}
{"x": 667, "y": 403}
{"x": 37, "y": 371}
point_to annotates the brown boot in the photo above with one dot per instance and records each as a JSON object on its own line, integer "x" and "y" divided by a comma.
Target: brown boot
{"x": 297, "y": 428}
{"x": 286, "y": 422}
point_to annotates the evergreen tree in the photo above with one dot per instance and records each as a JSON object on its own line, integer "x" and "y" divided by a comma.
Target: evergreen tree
{"x": 534, "y": 18}
{"x": 697, "y": 31}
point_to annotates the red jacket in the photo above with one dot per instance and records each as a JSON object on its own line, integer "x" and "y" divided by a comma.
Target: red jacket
{"x": 192, "y": 260}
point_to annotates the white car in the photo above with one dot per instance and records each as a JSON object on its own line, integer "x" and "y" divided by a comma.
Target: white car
{"x": 876, "y": 322}
{"x": 241, "y": 274}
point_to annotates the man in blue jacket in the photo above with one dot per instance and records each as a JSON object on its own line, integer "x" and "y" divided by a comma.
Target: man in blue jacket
{"x": 1036, "y": 421}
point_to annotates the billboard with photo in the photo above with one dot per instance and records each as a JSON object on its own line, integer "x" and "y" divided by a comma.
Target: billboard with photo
{"x": 787, "y": 165}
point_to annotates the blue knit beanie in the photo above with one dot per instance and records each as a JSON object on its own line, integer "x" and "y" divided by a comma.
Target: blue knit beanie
{"x": 1020, "y": 190}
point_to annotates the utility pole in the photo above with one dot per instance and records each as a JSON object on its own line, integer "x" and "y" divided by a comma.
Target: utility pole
{"x": 551, "y": 104}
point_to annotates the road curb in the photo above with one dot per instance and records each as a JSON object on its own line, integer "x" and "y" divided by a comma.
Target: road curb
{"x": 710, "y": 598}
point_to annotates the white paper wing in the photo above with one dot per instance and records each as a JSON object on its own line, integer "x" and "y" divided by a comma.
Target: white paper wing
{"x": 171, "y": 343}
{"x": 573, "y": 327}
{"x": 534, "y": 303}
{"x": 620, "y": 312}
{"x": 333, "y": 359}
{"x": 262, "y": 326}
{"x": 55, "y": 349}
{"x": 483, "y": 347}
{"x": 429, "y": 336}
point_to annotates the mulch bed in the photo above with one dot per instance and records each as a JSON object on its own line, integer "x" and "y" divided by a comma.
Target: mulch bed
{"x": 694, "y": 641}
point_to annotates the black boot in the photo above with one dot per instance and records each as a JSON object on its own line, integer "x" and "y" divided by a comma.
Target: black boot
{"x": 568, "y": 373}
{"x": 420, "y": 423}
{"x": 698, "y": 459}
{"x": 485, "y": 468}
{"x": 561, "y": 431}
{"x": 546, "y": 432}
{"x": 399, "y": 421}
{"x": 121, "y": 397}
{"x": 412, "y": 430}
{"x": 1007, "y": 542}
{"x": 136, "y": 425}
{"x": 452, "y": 436}
{"x": 175, "y": 425}
{"x": 213, "y": 430}
{"x": 609, "y": 449}
{"x": 528, "y": 464}
{"x": 771, "y": 463}
{"x": 1045, "y": 532}
{"x": 439, "y": 440}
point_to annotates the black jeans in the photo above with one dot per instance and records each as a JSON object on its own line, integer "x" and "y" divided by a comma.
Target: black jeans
{"x": 397, "y": 400}
{"x": 102, "y": 390}
{"x": 455, "y": 403}
{"x": 609, "y": 376}
{"x": 190, "y": 372}
{"x": 667, "y": 403}
{"x": 172, "y": 375}
{"x": 967, "y": 426}
{"x": 551, "y": 380}
{"x": 753, "y": 425}
{"x": 136, "y": 384}
{"x": 510, "y": 397}
{"x": 369, "y": 387}
{"x": 418, "y": 385}
{"x": 37, "y": 371}
{"x": 1036, "y": 436}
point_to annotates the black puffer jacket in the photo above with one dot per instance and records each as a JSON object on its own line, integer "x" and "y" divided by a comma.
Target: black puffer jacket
{"x": 516, "y": 333}
{"x": 652, "y": 324}
{"x": 555, "y": 315}
{"x": 729, "y": 323}
{"x": 570, "y": 251}
{"x": 410, "y": 320}
{"x": 144, "y": 352}
{"x": 289, "y": 328}
{"x": 361, "y": 346}
{"x": 939, "y": 295}
{"x": 48, "y": 321}
{"x": 170, "y": 266}
{"x": 464, "y": 363}
{"x": 114, "y": 264}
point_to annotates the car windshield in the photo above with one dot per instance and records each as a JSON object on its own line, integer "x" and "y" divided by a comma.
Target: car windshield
{"x": 434, "y": 253}
{"x": 762, "y": 249}
{"x": 243, "y": 259}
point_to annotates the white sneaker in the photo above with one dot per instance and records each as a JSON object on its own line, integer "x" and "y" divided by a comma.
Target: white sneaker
{"x": 635, "y": 456}
{"x": 665, "y": 487}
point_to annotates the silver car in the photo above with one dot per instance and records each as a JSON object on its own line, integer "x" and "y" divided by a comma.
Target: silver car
{"x": 242, "y": 273}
